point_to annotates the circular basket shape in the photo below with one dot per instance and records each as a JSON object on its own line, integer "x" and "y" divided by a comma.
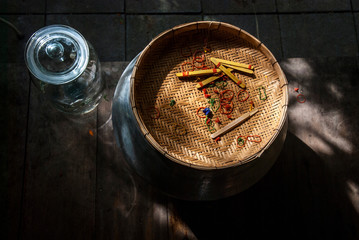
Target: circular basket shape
{"x": 165, "y": 106}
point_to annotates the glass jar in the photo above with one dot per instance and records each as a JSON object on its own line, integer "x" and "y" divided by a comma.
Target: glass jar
{"x": 66, "y": 69}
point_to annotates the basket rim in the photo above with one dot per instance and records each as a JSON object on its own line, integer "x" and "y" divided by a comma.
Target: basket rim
{"x": 260, "y": 47}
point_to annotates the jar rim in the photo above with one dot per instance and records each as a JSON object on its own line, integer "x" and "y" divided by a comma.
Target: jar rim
{"x": 44, "y": 35}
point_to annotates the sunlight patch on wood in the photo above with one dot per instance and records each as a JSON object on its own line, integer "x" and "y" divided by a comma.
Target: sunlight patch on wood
{"x": 353, "y": 194}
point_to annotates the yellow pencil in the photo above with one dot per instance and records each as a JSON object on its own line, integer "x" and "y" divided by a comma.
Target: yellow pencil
{"x": 209, "y": 80}
{"x": 246, "y": 70}
{"x": 243, "y": 65}
{"x": 198, "y": 73}
{"x": 228, "y": 73}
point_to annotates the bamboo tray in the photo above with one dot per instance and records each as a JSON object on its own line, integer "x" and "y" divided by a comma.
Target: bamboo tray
{"x": 178, "y": 132}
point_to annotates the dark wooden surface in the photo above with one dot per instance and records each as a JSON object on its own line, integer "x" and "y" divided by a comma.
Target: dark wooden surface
{"x": 59, "y": 182}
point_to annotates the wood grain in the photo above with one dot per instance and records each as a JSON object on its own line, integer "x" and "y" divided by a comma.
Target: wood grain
{"x": 78, "y": 186}
{"x": 60, "y": 173}
{"x": 126, "y": 206}
{"x": 14, "y": 91}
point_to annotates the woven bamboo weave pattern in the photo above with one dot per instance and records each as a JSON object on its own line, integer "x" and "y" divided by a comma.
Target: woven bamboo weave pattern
{"x": 179, "y": 132}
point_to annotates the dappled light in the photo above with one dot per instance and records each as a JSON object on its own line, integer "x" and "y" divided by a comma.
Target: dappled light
{"x": 160, "y": 213}
{"x": 319, "y": 120}
{"x": 179, "y": 229}
{"x": 298, "y": 68}
{"x": 353, "y": 194}
{"x": 321, "y": 134}
{"x": 334, "y": 91}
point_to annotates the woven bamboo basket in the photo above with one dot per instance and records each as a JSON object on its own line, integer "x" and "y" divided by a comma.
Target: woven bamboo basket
{"x": 176, "y": 130}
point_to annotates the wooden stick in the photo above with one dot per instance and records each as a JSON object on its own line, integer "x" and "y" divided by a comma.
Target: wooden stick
{"x": 234, "y": 124}
{"x": 228, "y": 73}
{"x": 243, "y": 65}
{"x": 246, "y": 70}
{"x": 209, "y": 80}
{"x": 198, "y": 73}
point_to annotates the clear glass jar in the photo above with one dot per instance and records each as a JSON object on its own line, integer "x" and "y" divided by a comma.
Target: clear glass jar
{"x": 65, "y": 67}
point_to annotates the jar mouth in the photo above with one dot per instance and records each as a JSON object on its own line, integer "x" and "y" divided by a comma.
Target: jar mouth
{"x": 56, "y": 54}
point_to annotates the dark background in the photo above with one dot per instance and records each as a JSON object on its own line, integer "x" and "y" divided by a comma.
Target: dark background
{"x": 58, "y": 182}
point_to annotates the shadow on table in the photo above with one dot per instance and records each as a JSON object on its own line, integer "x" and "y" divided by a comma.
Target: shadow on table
{"x": 298, "y": 198}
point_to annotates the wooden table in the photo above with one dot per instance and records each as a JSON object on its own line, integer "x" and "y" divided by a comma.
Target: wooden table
{"x": 60, "y": 182}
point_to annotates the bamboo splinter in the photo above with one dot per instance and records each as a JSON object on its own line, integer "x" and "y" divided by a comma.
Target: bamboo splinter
{"x": 234, "y": 124}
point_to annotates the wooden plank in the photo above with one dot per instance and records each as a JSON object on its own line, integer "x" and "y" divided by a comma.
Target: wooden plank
{"x": 327, "y": 122}
{"x": 311, "y": 191}
{"x": 14, "y": 91}
{"x": 60, "y": 174}
{"x": 178, "y": 227}
{"x": 111, "y": 73}
{"x": 127, "y": 207}
{"x": 299, "y": 193}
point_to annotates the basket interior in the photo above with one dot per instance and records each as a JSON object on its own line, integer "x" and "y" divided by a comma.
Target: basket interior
{"x": 179, "y": 132}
